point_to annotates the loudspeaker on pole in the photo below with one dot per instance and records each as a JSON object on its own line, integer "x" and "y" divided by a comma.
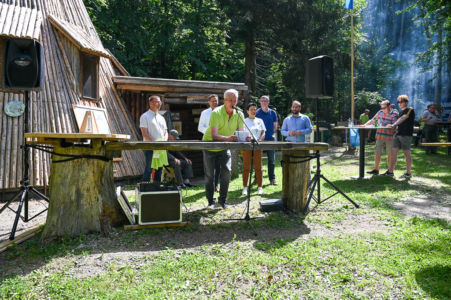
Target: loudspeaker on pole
{"x": 319, "y": 77}
{"x": 23, "y": 64}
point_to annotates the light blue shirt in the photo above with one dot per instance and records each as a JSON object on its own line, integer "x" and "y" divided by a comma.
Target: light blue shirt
{"x": 302, "y": 122}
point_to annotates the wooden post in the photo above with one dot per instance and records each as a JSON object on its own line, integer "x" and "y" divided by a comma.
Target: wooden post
{"x": 295, "y": 179}
{"x": 82, "y": 191}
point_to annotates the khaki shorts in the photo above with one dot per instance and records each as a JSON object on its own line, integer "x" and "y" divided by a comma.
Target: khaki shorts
{"x": 402, "y": 142}
{"x": 380, "y": 144}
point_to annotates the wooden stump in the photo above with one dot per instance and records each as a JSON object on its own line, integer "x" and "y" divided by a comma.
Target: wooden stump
{"x": 295, "y": 179}
{"x": 82, "y": 194}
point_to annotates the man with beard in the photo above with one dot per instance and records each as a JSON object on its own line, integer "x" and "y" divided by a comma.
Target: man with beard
{"x": 296, "y": 126}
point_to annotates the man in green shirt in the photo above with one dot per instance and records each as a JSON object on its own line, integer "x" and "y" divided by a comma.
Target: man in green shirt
{"x": 365, "y": 118}
{"x": 224, "y": 121}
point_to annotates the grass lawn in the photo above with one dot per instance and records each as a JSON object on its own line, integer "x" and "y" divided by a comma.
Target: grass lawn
{"x": 382, "y": 250}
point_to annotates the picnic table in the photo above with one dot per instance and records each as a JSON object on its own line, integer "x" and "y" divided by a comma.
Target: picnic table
{"x": 82, "y": 194}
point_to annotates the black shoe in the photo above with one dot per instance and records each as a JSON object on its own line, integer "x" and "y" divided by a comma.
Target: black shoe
{"x": 189, "y": 184}
{"x": 388, "y": 173}
{"x": 224, "y": 205}
{"x": 406, "y": 175}
{"x": 183, "y": 186}
{"x": 373, "y": 171}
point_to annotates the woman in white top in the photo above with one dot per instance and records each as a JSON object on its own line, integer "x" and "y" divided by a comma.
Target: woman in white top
{"x": 257, "y": 126}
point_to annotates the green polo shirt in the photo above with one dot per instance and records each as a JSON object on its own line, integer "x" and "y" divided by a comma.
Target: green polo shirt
{"x": 220, "y": 119}
{"x": 364, "y": 118}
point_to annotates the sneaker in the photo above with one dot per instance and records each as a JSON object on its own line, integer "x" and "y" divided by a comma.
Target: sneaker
{"x": 273, "y": 182}
{"x": 260, "y": 191}
{"x": 244, "y": 193}
{"x": 388, "y": 173}
{"x": 373, "y": 171}
{"x": 406, "y": 175}
{"x": 211, "y": 205}
{"x": 223, "y": 205}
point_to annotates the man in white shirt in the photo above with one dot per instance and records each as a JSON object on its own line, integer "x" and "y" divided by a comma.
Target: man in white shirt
{"x": 153, "y": 128}
{"x": 205, "y": 115}
{"x": 204, "y": 123}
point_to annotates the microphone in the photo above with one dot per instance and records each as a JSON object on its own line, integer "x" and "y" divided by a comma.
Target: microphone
{"x": 237, "y": 108}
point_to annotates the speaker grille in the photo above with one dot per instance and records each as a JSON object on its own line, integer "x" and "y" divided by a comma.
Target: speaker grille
{"x": 159, "y": 207}
{"x": 22, "y": 65}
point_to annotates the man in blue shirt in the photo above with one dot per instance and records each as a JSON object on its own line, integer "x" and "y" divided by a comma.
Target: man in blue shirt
{"x": 296, "y": 126}
{"x": 269, "y": 117}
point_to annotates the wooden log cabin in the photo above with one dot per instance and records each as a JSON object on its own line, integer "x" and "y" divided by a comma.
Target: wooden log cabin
{"x": 183, "y": 101}
{"x": 79, "y": 71}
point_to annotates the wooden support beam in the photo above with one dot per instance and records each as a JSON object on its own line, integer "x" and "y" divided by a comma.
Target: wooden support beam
{"x": 136, "y": 227}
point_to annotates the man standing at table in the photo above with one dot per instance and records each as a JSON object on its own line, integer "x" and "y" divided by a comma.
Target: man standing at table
{"x": 204, "y": 122}
{"x": 153, "y": 128}
{"x": 365, "y": 118}
{"x": 224, "y": 121}
{"x": 296, "y": 126}
{"x": 269, "y": 117}
{"x": 403, "y": 136}
{"x": 384, "y": 137}
{"x": 430, "y": 118}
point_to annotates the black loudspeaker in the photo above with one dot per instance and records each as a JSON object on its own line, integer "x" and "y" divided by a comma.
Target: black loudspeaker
{"x": 24, "y": 64}
{"x": 158, "y": 204}
{"x": 319, "y": 77}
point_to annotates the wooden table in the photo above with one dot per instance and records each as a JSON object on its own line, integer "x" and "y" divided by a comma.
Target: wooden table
{"x": 82, "y": 193}
{"x": 362, "y": 134}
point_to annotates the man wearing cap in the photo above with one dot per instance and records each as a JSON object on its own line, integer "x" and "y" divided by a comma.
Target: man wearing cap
{"x": 153, "y": 128}
{"x": 384, "y": 137}
{"x": 180, "y": 163}
{"x": 204, "y": 122}
{"x": 224, "y": 121}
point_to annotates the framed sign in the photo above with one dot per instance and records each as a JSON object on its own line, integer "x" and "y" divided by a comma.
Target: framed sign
{"x": 92, "y": 119}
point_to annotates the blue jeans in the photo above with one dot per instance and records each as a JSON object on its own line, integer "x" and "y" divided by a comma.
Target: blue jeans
{"x": 148, "y": 169}
{"x": 225, "y": 161}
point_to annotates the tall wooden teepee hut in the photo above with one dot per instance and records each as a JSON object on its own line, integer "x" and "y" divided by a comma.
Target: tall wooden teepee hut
{"x": 78, "y": 71}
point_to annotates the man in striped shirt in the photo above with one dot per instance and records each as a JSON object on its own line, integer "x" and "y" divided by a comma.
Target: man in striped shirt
{"x": 384, "y": 137}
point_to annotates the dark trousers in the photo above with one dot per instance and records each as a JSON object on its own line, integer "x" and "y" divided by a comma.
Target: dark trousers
{"x": 182, "y": 171}
{"x": 431, "y": 136}
{"x": 217, "y": 172}
{"x": 148, "y": 169}
{"x": 225, "y": 161}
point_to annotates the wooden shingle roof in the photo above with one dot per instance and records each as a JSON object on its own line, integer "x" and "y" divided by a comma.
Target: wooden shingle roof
{"x": 79, "y": 37}
{"x": 20, "y": 21}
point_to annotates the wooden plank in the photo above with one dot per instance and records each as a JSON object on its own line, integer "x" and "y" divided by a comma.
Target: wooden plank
{"x": 447, "y": 144}
{"x": 200, "y": 145}
{"x": 21, "y": 237}
{"x": 144, "y": 81}
{"x": 136, "y": 227}
{"x": 77, "y": 136}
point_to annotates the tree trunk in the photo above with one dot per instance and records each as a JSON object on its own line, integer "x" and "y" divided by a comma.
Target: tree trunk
{"x": 82, "y": 194}
{"x": 295, "y": 179}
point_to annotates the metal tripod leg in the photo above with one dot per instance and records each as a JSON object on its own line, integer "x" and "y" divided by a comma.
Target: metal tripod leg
{"x": 313, "y": 183}
{"x": 340, "y": 191}
{"x": 19, "y": 210}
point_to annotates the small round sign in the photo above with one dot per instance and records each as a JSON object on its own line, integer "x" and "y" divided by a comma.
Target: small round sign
{"x": 14, "y": 108}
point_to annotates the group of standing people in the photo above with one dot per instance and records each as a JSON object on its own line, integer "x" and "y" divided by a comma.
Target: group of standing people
{"x": 395, "y": 133}
{"x": 219, "y": 123}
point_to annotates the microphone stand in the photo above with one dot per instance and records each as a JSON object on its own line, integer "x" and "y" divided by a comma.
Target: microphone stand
{"x": 254, "y": 141}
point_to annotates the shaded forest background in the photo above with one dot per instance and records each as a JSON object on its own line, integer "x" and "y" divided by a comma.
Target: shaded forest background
{"x": 265, "y": 43}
